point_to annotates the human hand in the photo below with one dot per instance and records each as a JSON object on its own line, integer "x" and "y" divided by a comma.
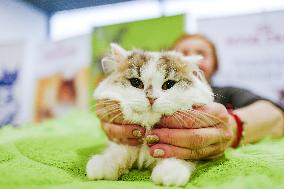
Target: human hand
{"x": 202, "y": 133}
{"x": 117, "y": 129}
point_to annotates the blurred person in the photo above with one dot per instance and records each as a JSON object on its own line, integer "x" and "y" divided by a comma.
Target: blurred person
{"x": 252, "y": 119}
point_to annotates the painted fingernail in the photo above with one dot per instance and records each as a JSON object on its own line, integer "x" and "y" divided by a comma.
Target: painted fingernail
{"x": 158, "y": 153}
{"x": 197, "y": 105}
{"x": 137, "y": 133}
{"x": 150, "y": 139}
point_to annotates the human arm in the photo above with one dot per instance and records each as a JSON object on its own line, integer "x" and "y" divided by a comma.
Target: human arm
{"x": 261, "y": 119}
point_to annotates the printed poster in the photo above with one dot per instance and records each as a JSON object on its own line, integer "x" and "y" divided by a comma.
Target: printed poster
{"x": 251, "y": 51}
{"x": 10, "y": 85}
{"x": 153, "y": 34}
{"x": 62, "y": 77}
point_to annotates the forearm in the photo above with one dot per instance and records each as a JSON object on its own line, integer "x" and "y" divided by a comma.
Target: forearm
{"x": 261, "y": 119}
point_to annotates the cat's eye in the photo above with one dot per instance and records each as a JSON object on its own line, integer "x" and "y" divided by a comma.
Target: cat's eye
{"x": 135, "y": 82}
{"x": 168, "y": 84}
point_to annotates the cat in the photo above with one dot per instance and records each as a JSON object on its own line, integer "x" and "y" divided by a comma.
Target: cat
{"x": 147, "y": 86}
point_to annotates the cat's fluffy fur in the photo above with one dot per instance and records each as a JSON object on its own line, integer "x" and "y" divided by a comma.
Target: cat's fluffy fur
{"x": 153, "y": 69}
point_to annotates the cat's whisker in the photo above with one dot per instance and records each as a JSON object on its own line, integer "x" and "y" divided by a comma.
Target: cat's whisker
{"x": 179, "y": 118}
{"x": 176, "y": 117}
{"x": 92, "y": 106}
{"x": 103, "y": 103}
{"x": 119, "y": 114}
{"x": 95, "y": 106}
{"x": 187, "y": 114}
{"x": 211, "y": 116}
{"x": 220, "y": 140}
{"x": 193, "y": 118}
{"x": 205, "y": 118}
{"x": 218, "y": 95}
{"x": 211, "y": 120}
{"x": 107, "y": 100}
{"x": 108, "y": 106}
{"x": 106, "y": 115}
{"x": 107, "y": 111}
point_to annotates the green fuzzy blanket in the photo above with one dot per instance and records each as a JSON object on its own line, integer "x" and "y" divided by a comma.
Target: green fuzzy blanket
{"x": 54, "y": 155}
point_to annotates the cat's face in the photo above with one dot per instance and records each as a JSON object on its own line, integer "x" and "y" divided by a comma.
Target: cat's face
{"x": 148, "y": 85}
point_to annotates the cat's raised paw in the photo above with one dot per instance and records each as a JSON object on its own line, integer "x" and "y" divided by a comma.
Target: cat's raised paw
{"x": 172, "y": 172}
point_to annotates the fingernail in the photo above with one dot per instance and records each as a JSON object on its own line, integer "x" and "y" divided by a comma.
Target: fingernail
{"x": 158, "y": 153}
{"x": 149, "y": 145}
{"x": 137, "y": 133}
{"x": 197, "y": 105}
{"x": 152, "y": 139}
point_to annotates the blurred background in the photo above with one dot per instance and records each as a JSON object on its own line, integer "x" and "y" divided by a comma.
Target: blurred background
{"x": 50, "y": 50}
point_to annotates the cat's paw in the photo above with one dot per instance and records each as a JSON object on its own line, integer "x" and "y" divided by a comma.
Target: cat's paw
{"x": 99, "y": 167}
{"x": 172, "y": 172}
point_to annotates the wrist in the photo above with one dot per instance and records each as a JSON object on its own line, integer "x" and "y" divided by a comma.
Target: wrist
{"x": 237, "y": 127}
{"x": 233, "y": 127}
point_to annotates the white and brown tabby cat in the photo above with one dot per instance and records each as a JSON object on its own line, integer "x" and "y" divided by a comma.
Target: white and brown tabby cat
{"x": 147, "y": 86}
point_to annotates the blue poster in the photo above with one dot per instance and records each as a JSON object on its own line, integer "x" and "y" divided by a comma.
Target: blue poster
{"x": 8, "y": 103}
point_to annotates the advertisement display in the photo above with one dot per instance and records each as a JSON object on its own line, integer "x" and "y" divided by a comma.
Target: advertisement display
{"x": 62, "y": 77}
{"x": 153, "y": 34}
{"x": 10, "y": 85}
{"x": 251, "y": 51}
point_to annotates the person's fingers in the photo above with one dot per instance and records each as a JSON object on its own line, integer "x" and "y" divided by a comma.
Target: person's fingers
{"x": 134, "y": 142}
{"x": 123, "y": 131}
{"x": 190, "y": 138}
{"x": 130, "y": 141}
{"x": 215, "y": 112}
{"x": 167, "y": 151}
{"x": 178, "y": 120}
{"x": 215, "y": 156}
{"x": 199, "y": 116}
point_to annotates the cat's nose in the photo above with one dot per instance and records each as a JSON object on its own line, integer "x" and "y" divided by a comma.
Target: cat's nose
{"x": 151, "y": 100}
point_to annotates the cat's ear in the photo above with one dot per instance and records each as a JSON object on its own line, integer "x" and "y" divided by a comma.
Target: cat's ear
{"x": 108, "y": 64}
{"x": 118, "y": 54}
{"x": 194, "y": 59}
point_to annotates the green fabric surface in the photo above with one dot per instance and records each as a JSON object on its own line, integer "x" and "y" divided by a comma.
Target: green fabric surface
{"x": 54, "y": 155}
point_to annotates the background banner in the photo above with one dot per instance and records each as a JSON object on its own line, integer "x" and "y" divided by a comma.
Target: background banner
{"x": 10, "y": 85}
{"x": 62, "y": 77}
{"x": 251, "y": 51}
{"x": 153, "y": 34}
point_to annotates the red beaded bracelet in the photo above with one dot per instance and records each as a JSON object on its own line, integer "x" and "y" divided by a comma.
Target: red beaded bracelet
{"x": 240, "y": 128}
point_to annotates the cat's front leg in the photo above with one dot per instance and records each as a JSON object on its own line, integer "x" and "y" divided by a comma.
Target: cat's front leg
{"x": 116, "y": 160}
{"x": 172, "y": 172}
